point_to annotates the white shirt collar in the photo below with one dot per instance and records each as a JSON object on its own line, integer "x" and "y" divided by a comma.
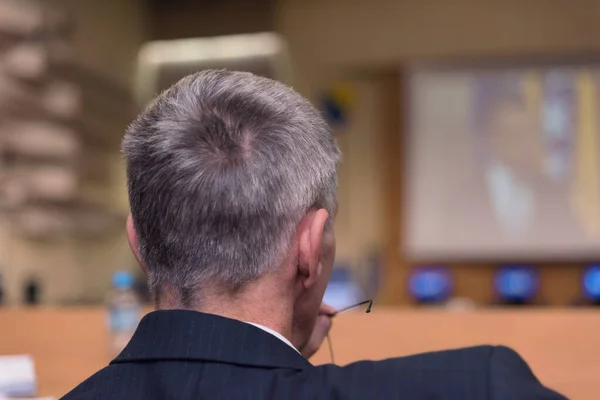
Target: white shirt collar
{"x": 274, "y": 333}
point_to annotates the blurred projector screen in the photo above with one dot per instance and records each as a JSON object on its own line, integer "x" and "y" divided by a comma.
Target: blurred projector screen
{"x": 503, "y": 163}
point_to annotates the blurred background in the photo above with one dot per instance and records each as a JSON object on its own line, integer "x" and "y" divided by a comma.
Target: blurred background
{"x": 470, "y": 178}
{"x": 469, "y": 131}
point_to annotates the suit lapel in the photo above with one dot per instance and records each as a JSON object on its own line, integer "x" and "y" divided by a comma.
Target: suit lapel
{"x": 191, "y": 335}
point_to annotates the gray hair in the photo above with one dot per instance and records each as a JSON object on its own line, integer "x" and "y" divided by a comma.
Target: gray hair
{"x": 221, "y": 168}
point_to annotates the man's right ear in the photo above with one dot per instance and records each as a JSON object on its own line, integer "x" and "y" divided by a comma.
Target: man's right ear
{"x": 132, "y": 238}
{"x": 310, "y": 244}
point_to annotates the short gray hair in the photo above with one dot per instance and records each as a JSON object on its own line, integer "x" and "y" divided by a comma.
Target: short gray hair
{"x": 221, "y": 168}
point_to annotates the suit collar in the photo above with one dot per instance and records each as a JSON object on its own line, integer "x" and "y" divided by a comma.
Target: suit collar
{"x": 274, "y": 333}
{"x": 195, "y": 336}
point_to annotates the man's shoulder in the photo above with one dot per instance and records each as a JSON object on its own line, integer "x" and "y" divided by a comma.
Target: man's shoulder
{"x": 480, "y": 372}
{"x": 464, "y": 359}
{"x": 91, "y": 388}
{"x": 116, "y": 382}
{"x": 461, "y": 361}
{"x": 387, "y": 377}
{"x": 458, "y": 373}
{"x": 483, "y": 372}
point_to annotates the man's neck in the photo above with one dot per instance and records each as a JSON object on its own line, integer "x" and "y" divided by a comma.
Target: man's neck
{"x": 262, "y": 303}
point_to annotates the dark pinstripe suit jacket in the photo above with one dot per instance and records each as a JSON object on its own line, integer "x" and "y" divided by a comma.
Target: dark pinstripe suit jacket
{"x": 191, "y": 355}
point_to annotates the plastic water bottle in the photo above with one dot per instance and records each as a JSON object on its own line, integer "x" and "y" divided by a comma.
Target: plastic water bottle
{"x": 1, "y": 289}
{"x": 124, "y": 309}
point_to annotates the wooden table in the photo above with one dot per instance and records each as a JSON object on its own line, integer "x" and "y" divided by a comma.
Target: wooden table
{"x": 561, "y": 346}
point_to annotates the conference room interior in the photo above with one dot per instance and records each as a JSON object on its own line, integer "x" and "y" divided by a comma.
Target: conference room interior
{"x": 469, "y": 189}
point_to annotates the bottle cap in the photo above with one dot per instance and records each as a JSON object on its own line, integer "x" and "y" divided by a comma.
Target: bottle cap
{"x": 123, "y": 280}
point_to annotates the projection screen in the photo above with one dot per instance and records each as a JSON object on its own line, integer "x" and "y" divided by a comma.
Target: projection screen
{"x": 503, "y": 163}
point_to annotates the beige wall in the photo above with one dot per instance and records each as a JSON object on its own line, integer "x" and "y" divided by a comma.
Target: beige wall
{"x": 364, "y": 32}
{"x": 329, "y": 37}
{"x": 359, "y": 224}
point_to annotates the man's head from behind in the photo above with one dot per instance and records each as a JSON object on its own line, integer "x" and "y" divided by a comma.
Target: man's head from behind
{"x": 232, "y": 181}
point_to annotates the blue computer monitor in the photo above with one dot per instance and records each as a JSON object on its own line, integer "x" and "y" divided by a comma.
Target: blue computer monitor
{"x": 430, "y": 284}
{"x": 516, "y": 283}
{"x": 590, "y": 282}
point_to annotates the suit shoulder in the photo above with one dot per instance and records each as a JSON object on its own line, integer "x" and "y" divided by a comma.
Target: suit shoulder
{"x": 506, "y": 353}
{"x": 512, "y": 378}
{"x": 481, "y": 372}
{"x": 463, "y": 373}
{"x": 442, "y": 359}
{"x": 102, "y": 384}
{"x": 474, "y": 354}
{"x": 506, "y": 361}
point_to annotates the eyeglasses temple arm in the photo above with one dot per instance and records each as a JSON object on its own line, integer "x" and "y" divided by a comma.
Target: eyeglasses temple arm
{"x": 368, "y": 310}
